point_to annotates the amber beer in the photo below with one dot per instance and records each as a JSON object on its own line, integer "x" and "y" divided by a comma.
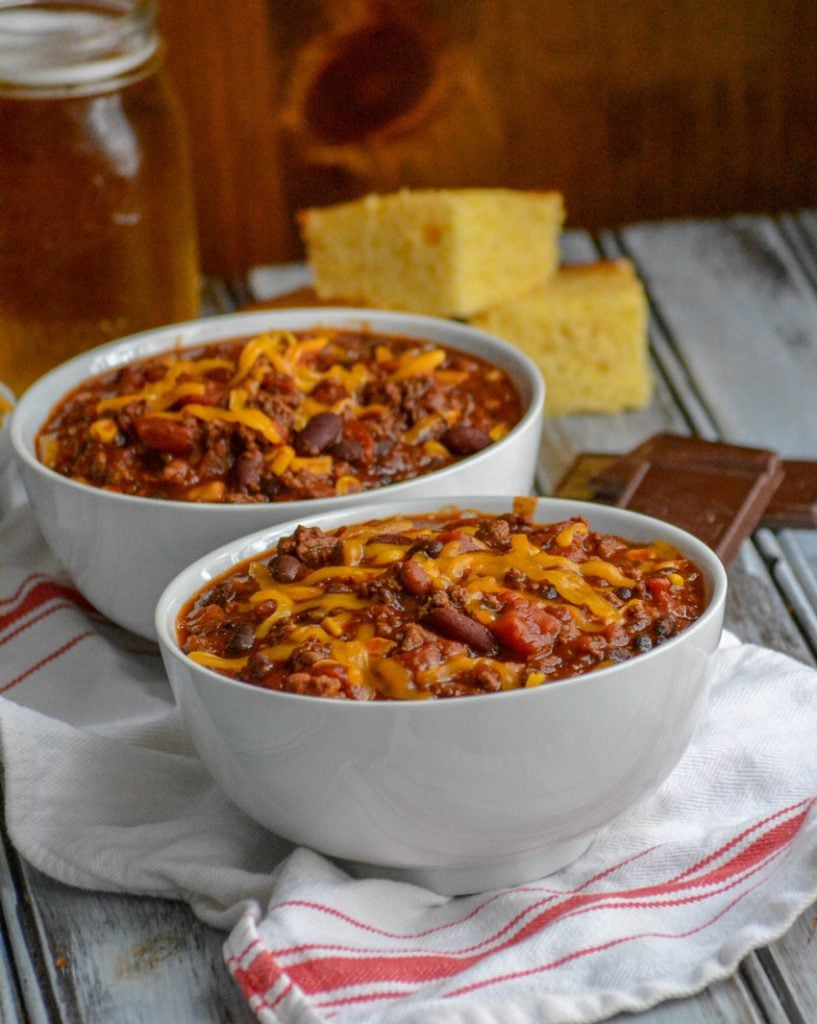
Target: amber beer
{"x": 97, "y": 229}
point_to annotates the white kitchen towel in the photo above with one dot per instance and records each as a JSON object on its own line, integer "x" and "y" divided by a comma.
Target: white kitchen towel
{"x": 103, "y": 791}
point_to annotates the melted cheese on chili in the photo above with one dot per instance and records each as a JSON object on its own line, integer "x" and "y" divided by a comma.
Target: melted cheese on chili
{"x": 281, "y": 416}
{"x": 440, "y": 605}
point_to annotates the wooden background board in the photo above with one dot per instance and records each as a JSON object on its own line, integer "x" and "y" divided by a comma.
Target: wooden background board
{"x": 76, "y": 957}
{"x": 637, "y": 109}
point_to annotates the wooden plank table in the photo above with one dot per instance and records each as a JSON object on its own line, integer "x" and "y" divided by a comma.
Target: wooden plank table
{"x": 734, "y": 344}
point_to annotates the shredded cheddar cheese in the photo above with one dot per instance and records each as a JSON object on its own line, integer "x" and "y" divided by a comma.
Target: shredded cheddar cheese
{"x": 457, "y": 602}
{"x": 566, "y": 537}
{"x": 415, "y": 365}
{"x": 435, "y": 448}
{"x": 104, "y": 430}
{"x": 252, "y": 418}
{"x": 278, "y": 416}
{"x": 214, "y": 491}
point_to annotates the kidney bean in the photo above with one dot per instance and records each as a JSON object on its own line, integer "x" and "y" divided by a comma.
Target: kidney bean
{"x": 320, "y": 433}
{"x": 286, "y": 568}
{"x": 387, "y": 538}
{"x": 414, "y": 578}
{"x": 162, "y": 435}
{"x": 456, "y": 625}
{"x": 465, "y": 440}
{"x": 248, "y": 469}
{"x": 347, "y": 451}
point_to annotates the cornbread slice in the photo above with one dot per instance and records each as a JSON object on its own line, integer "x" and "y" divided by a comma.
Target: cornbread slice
{"x": 445, "y": 252}
{"x": 586, "y": 329}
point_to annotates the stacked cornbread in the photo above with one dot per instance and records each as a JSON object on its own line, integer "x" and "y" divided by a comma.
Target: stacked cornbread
{"x": 444, "y": 252}
{"x": 586, "y": 329}
{"x": 491, "y": 257}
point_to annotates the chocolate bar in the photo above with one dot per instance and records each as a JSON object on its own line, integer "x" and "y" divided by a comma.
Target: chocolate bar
{"x": 718, "y": 491}
{"x": 611, "y": 480}
{"x": 683, "y": 463}
{"x": 722, "y": 506}
{"x": 794, "y": 503}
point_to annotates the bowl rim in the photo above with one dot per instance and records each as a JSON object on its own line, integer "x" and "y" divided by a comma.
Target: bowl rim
{"x": 220, "y": 327}
{"x": 12, "y": 400}
{"x": 179, "y": 591}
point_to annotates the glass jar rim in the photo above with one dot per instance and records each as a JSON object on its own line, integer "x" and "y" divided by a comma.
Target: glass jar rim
{"x": 54, "y": 44}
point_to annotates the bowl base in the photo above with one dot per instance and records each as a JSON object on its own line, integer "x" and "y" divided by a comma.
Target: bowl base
{"x": 467, "y": 879}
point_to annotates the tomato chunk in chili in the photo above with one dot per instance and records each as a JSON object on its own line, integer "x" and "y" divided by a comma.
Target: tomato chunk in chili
{"x": 278, "y": 417}
{"x": 444, "y": 605}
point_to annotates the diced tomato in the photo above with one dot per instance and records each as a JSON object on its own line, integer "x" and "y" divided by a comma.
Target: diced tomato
{"x": 355, "y": 431}
{"x": 659, "y": 588}
{"x": 525, "y": 628}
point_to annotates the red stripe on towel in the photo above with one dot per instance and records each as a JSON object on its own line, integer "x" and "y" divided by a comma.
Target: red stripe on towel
{"x": 45, "y": 661}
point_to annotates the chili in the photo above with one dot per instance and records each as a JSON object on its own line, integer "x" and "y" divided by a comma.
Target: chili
{"x": 278, "y": 417}
{"x": 436, "y": 606}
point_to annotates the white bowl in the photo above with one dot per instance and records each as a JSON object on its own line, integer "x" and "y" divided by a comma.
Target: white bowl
{"x": 463, "y": 794}
{"x": 10, "y": 487}
{"x": 122, "y": 550}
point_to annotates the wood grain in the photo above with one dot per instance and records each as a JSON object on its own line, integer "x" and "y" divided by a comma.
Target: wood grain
{"x": 637, "y": 110}
{"x": 125, "y": 960}
{"x": 221, "y": 60}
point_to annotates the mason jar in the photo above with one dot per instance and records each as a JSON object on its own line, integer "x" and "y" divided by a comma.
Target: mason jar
{"x": 97, "y": 222}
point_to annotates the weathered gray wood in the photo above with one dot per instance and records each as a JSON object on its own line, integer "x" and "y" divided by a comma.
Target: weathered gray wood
{"x": 22, "y": 995}
{"x": 727, "y": 1002}
{"x": 126, "y": 960}
{"x": 799, "y": 547}
{"x": 790, "y": 965}
{"x": 794, "y": 575}
{"x": 773, "y": 1009}
{"x": 11, "y": 1011}
{"x": 736, "y": 305}
{"x": 743, "y": 318}
{"x": 800, "y": 232}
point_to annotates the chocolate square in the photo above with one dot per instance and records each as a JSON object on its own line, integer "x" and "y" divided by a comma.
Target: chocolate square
{"x": 794, "y": 503}
{"x": 722, "y": 505}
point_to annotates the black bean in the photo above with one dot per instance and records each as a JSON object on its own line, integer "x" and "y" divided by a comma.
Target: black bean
{"x": 271, "y": 487}
{"x": 624, "y": 593}
{"x": 428, "y": 546}
{"x": 642, "y": 643}
{"x": 617, "y": 654}
{"x": 220, "y": 595}
{"x": 665, "y": 626}
{"x": 241, "y": 639}
{"x": 286, "y": 568}
{"x": 320, "y": 433}
{"x": 456, "y": 625}
{"x": 465, "y": 440}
